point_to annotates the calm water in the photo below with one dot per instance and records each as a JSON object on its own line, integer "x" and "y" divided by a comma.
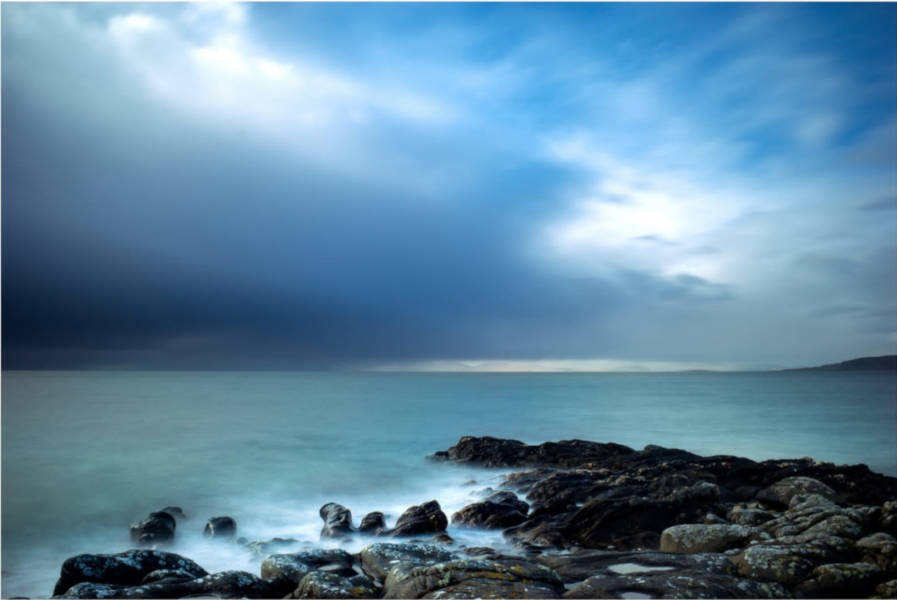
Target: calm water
{"x": 86, "y": 453}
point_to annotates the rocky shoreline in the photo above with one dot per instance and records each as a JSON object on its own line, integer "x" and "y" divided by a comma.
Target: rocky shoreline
{"x": 587, "y": 520}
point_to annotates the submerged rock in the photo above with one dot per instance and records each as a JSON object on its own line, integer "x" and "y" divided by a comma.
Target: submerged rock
{"x": 175, "y": 511}
{"x": 337, "y": 520}
{"x": 124, "y": 568}
{"x": 424, "y": 518}
{"x": 220, "y": 527}
{"x": 157, "y": 527}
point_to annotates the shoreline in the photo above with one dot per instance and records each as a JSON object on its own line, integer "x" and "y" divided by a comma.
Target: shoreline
{"x": 584, "y": 519}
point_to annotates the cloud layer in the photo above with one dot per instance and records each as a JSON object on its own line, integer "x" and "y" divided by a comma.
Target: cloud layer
{"x": 316, "y": 186}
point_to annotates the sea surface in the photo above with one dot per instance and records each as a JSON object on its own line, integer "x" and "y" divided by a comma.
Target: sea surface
{"x": 84, "y": 454}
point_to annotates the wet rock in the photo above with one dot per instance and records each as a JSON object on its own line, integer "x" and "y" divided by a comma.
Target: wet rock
{"x": 494, "y": 452}
{"x": 713, "y": 519}
{"x": 157, "y": 527}
{"x": 889, "y": 517}
{"x": 261, "y": 549}
{"x": 697, "y": 538}
{"x": 378, "y": 559}
{"x": 227, "y": 584}
{"x": 675, "y": 585}
{"x": 498, "y": 511}
{"x": 168, "y": 576}
{"x": 840, "y": 580}
{"x": 124, "y": 568}
{"x": 816, "y": 515}
{"x": 581, "y": 564}
{"x": 424, "y": 518}
{"x": 474, "y": 578}
{"x": 220, "y": 527}
{"x": 879, "y": 549}
{"x": 788, "y": 564}
{"x": 283, "y": 572}
{"x": 741, "y": 514}
{"x": 337, "y": 520}
{"x": 443, "y": 538}
{"x": 372, "y": 523}
{"x": 175, "y": 511}
{"x": 322, "y": 584}
{"x": 561, "y": 491}
{"x": 781, "y": 492}
{"x": 887, "y": 589}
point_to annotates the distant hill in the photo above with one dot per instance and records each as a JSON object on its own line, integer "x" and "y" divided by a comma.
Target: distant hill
{"x": 867, "y": 363}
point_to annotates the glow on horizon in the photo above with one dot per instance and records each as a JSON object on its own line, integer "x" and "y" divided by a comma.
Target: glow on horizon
{"x": 593, "y": 365}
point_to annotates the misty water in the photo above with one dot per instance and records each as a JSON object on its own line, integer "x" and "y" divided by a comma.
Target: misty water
{"x": 84, "y": 454}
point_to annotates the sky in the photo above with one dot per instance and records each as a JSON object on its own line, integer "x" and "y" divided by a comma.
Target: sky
{"x": 448, "y": 186}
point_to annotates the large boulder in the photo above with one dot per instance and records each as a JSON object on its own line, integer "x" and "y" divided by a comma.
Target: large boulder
{"x": 227, "y": 584}
{"x": 337, "y": 520}
{"x": 787, "y": 561}
{"x": 474, "y": 578}
{"x": 220, "y": 527}
{"x": 498, "y": 511}
{"x": 125, "y": 568}
{"x": 157, "y": 527}
{"x": 378, "y": 559}
{"x": 698, "y": 538}
{"x": 781, "y": 492}
{"x": 283, "y": 572}
{"x": 324, "y": 584}
{"x": 424, "y": 518}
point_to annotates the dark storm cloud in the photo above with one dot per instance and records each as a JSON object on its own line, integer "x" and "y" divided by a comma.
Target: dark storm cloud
{"x": 176, "y": 194}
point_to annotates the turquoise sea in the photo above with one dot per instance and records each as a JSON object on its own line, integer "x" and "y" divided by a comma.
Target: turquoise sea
{"x": 86, "y": 453}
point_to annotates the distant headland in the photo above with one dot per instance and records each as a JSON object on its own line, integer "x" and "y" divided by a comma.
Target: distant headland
{"x": 866, "y": 363}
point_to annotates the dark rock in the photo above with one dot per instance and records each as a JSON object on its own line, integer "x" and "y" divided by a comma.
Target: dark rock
{"x": 781, "y": 492}
{"x": 741, "y": 514}
{"x": 474, "y": 578}
{"x": 378, "y": 559}
{"x": 337, "y": 521}
{"x": 879, "y": 549}
{"x": 785, "y": 563}
{"x": 124, "y": 568}
{"x": 493, "y": 452}
{"x": 220, "y": 527}
{"x": 175, "y": 511}
{"x": 578, "y": 565}
{"x": 699, "y": 538}
{"x": 227, "y": 584}
{"x": 322, "y": 584}
{"x": 167, "y": 575}
{"x": 887, "y": 589}
{"x": 840, "y": 580}
{"x": 283, "y": 572}
{"x": 157, "y": 527}
{"x": 443, "y": 538}
{"x": 498, "y": 511}
{"x": 424, "y": 518}
{"x": 675, "y": 585}
{"x": 372, "y": 523}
